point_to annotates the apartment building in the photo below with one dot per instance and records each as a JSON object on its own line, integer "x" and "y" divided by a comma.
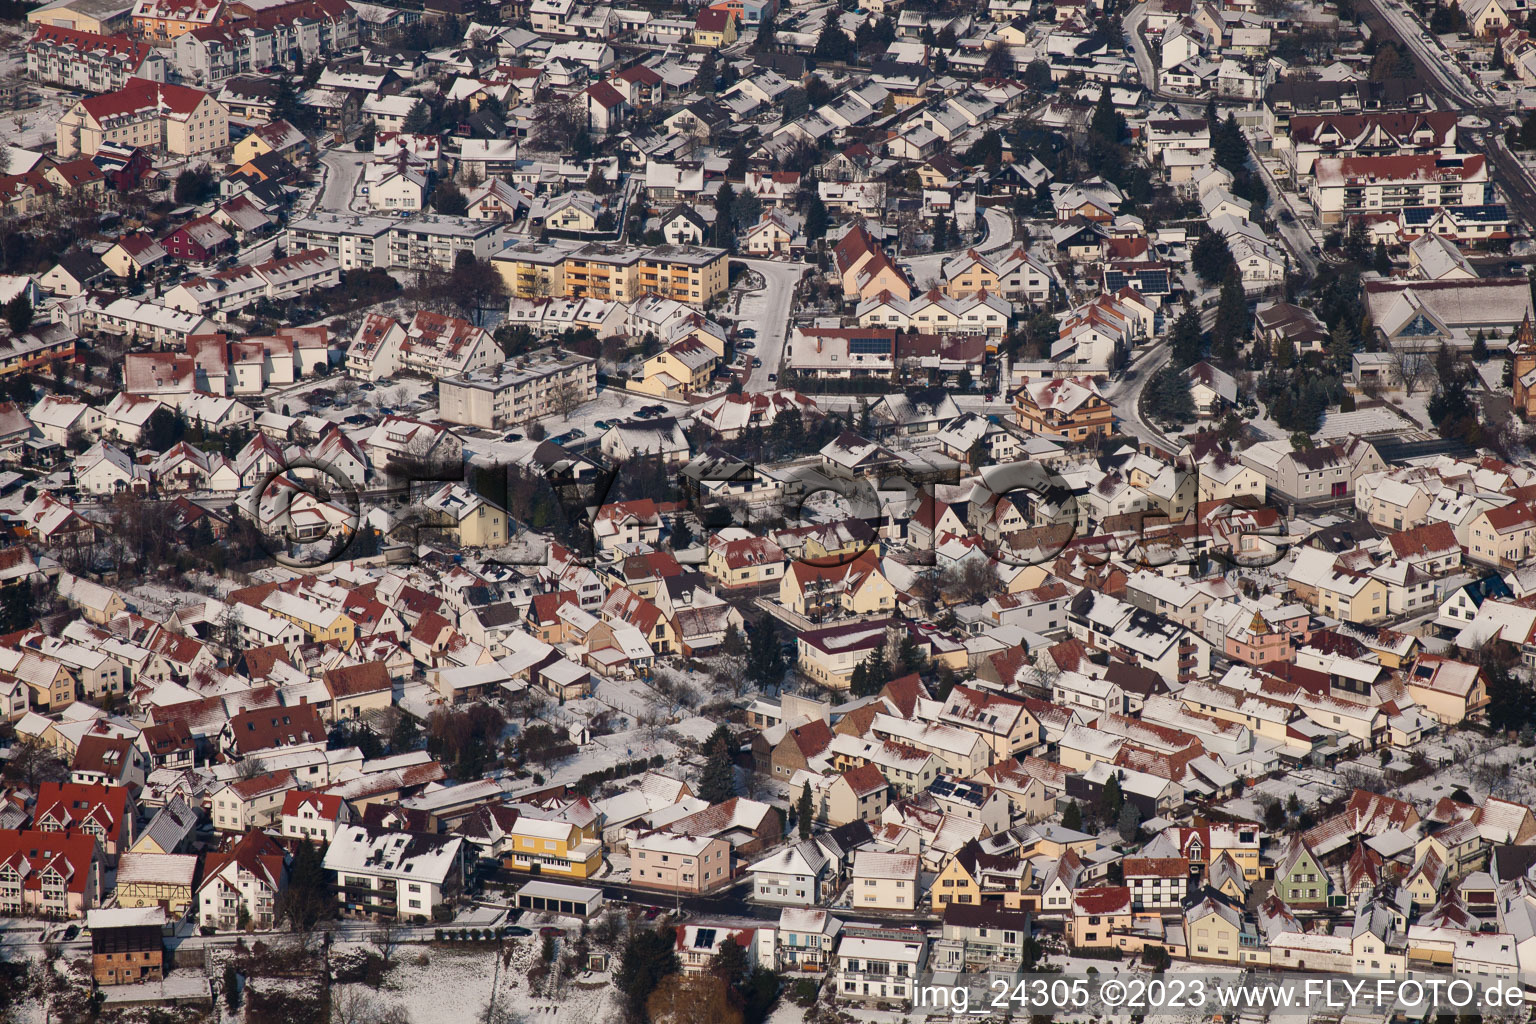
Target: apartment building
{"x": 517, "y": 390}
{"x": 90, "y": 62}
{"x": 174, "y": 119}
{"x": 247, "y": 877}
{"x": 48, "y": 874}
{"x": 434, "y": 241}
{"x": 607, "y": 271}
{"x": 353, "y": 241}
{"x": 388, "y": 874}
{"x": 211, "y": 54}
{"x": 1345, "y": 187}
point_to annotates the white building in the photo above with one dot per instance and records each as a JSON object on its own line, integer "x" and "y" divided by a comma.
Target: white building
{"x": 388, "y": 874}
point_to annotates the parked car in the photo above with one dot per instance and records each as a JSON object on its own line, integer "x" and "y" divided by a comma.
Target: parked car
{"x": 551, "y": 932}
{"x": 575, "y": 433}
{"x": 756, "y": 362}
{"x": 367, "y": 385}
{"x": 746, "y": 344}
{"x": 602, "y": 424}
{"x": 356, "y": 419}
{"x": 514, "y": 436}
{"x": 773, "y": 376}
{"x": 747, "y": 332}
{"x": 518, "y": 931}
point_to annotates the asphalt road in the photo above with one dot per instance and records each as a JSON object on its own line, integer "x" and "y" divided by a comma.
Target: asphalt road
{"x": 1431, "y": 56}
{"x": 1141, "y": 49}
{"x": 1295, "y": 233}
{"x": 999, "y": 235}
{"x": 769, "y": 308}
{"x": 1125, "y": 395}
{"x": 343, "y": 168}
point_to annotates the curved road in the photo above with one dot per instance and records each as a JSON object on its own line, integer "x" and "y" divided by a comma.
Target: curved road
{"x": 931, "y": 265}
{"x": 1125, "y": 395}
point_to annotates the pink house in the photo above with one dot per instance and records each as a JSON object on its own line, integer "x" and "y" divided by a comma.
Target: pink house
{"x": 1269, "y": 635}
{"x": 684, "y": 864}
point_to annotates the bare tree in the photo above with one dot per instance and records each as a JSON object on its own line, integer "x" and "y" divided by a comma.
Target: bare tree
{"x": 557, "y": 123}
{"x": 230, "y": 625}
{"x": 1413, "y": 368}
{"x": 386, "y": 940}
{"x": 252, "y": 767}
{"x": 33, "y": 761}
{"x": 566, "y": 399}
{"x": 351, "y": 1004}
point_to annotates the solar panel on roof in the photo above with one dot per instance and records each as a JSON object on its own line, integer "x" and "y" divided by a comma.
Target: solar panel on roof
{"x": 869, "y": 346}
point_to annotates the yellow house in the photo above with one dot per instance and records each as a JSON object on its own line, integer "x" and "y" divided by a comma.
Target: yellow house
{"x": 683, "y": 369}
{"x": 1503, "y": 536}
{"x": 473, "y": 521}
{"x": 743, "y": 561}
{"x": 1446, "y": 689}
{"x": 1213, "y": 931}
{"x": 1487, "y": 20}
{"x": 545, "y": 847}
{"x": 574, "y": 216}
{"x": 971, "y": 277}
{"x": 1352, "y": 597}
{"x": 1426, "y": 879}
{"x": 317, "y": 621}
{"x": 834, "y": 591}
{"x": 51, "y": 688}
{"x": 358, "y": 690}
{"x": 78, "y": 176}
{"x": 955, "y": 884}
{"x": 885, "y": 881}
{"x": 1098, "y": 915}
{"x": 713, "y": 28}
{"x": 156, "y": 880}
{"x": 273, "y": 137}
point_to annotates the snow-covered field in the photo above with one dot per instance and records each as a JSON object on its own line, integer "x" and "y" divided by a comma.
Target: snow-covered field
{"x": 445, "y": 984}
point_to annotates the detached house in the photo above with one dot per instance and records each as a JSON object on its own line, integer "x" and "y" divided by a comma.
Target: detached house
{"x": 242, "y": 883}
